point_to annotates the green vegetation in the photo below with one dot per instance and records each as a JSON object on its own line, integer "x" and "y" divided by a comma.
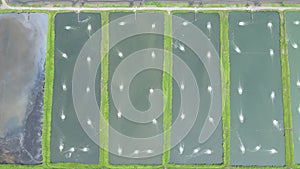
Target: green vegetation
{"x": 104, "y": 107}
{"x": 167, "y": 88}
{"x": 225, "y": 77}
{"x": 289, "y": 145}
{"x": 286, "y": 93}
{"x": 48, "y": 89}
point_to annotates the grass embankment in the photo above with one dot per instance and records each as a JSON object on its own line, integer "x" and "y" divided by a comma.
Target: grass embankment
{"x": 286, "y": 93}
{"x": 167, "y": 88}
{"x": 48, "y": 89}
{"x": 104, "y": 106}
{"x": 225, "y": 77}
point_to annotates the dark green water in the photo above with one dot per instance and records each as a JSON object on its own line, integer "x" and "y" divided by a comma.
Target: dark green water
{"x": 190, "y": 143}
{"x": 139, "y": 86}
{"x": 257, "y": 129}
{"x": 69, "y": 142}
{"x": 293, "y": 36}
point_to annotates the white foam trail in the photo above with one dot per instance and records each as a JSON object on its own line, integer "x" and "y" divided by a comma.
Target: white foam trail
{"x": 120, "y": 54}
{"x": 211, "y": 120}
{"x": 208, "y": 54}
{"x": 181, "y": 47}
{"x": 121, "y": 87}
{"x": 69, "y": 28}
{"x": 135, "y": 152}
{"x": 64, "y": 55}
{"x": 149, "y": 151}
{"x": 195, "y": 152}
{"x": 120, "y": 150}
{"x": 181, "y": 148}
{"x": 272, "y": 96}
{"x": 276, "y": 125}
{"x": 182, "y": 116}
{"x": 272, "y": 151}
{"x": 208, "y": 152}
{"x": 61, "y": 145}
{"x": 88, "y": 89}
{"x": 122, "y": 23}
{"x": 209, "y": 89}
{"x": 256, "y": 149}
{"x": 62, "y": 115}
{"x": 89, "y": 122}
{"x": 84, "y": 149}
{"x": 296, "y": 22}
{"x": 119, "y": 114}
{"x": 242, "y": 146}
{"x": 271, "y": 51}
{"x": 153, "y": 54}
{"x": 182, "y": 86}
{"x": 153, "y": 26}
{"x": 89, "y": 28}
{"x": 294, "y": 45}
{"x": 270, "y": 26}
{"x": 243, "y": 23}
{"x": 185, "y": 23}
{"x": 240, "y": 88}
{"x": 241, "y": 116}
{"x": 237, "y": 49}
{"x": 208, "y": 26}
{"x": 64, "y": 86}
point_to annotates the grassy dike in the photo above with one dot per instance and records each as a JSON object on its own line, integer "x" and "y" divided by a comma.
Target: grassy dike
{"x": 48, "y": 89}
{"x": 104, "y": 106}
{"x": 167, "y": 88}
{"x": 286, "y": 93}
{"x": 225, "y": 78}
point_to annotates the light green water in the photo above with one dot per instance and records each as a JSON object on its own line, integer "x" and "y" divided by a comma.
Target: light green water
{"x": 66, "y": 132}
{"x": 139, "y": 86}
{"x": 293, "y": 36}
{"x": 190, "y": 142}
{"x": 255, "y": 68}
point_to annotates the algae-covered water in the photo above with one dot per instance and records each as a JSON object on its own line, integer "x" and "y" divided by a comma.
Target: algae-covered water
{"x": 69, "y": 141}
{"x": 257, "y": 128}
{"x": 144, "y": 31}
{"x": 189, "y": 150}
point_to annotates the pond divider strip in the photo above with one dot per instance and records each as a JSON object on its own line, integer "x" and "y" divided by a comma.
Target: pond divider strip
{"x": 289, "y": 146}
{"x": 104, "y": 107}
{"x": 167, "y": 88}
{"x": 48, "y": 89}
{"x": 225, "y": 79}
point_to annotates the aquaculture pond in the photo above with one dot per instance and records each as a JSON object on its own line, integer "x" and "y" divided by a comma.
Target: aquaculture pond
{"x": 22, "y": 74}
{"x": 196, "y": 42}
{"x": 292, "y": 38}
{"x": 257, "y": 128}
{"x": 134, "y": 84}
{"x": 72, "y": 131}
